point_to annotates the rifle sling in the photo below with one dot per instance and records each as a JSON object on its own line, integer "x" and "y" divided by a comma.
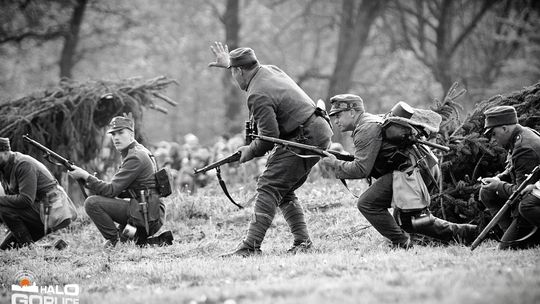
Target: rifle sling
{"x": 224, "y": 188}
{"x": 346, "y": 186}
{"x": 311, "y": 156}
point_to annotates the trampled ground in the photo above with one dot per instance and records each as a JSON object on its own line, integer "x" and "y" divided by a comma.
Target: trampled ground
{"x": 351, "y": 262}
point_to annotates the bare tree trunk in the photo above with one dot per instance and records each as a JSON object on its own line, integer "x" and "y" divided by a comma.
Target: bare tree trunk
{"x": 67, "y": 61}
{"x": 233, "y": 97}
{"x": 357, "y": 16}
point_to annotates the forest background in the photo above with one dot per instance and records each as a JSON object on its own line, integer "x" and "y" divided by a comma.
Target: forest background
{"x": 384, "y": 51}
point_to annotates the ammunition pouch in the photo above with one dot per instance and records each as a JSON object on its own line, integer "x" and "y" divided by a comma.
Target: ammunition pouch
{"x": 163, "y": 182}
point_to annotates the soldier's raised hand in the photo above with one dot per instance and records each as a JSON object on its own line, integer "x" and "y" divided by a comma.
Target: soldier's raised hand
{"x": 221, "y": 52}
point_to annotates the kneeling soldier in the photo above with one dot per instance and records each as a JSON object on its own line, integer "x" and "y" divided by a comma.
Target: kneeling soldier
{"x": 135, "y": 180}
{"x": 30, "y": 190}
{"x": 523, "y": 147}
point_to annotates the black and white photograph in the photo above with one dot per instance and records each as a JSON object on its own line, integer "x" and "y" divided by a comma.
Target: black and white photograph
{"x": 269, "y": 151}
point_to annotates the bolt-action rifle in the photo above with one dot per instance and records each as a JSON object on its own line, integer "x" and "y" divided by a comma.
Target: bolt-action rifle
{"x": 50, "y": 154}
{"x": 249, "y": 136}
{"x": 215, "y": 165}
{"x": 513, "y": 199}
{"x": 316, "y": 150}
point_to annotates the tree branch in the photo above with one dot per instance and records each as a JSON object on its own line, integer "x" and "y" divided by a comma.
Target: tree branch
{"x": 486, "y": 5}
{"x": 51, "y": 33}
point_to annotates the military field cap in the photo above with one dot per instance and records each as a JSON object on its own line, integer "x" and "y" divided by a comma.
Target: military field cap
{"x": 402, "y": 109}
{"x": 345, "y": 102}
{"x": 241, "y": 56}
{"x": 121, "y": 122}
{"x": 499, "y": 116}
{"x": 4, "y": 144}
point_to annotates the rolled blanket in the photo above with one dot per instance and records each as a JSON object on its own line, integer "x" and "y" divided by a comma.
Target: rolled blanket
{"x": 404, "y": 113}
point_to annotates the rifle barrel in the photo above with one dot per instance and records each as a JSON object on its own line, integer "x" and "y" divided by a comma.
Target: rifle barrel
{"x": 65, "y": 162}
{"x": 433, "y": 145}
{"x": 314, "y": 149}
{"x": 229, "y": 159}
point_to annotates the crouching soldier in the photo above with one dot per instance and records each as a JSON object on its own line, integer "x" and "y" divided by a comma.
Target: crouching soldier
{"x": 33, "y": 202}
{"x": 377, "y": 155}
{"x": 523, "y": 146}
{"x": 144, "y": 211}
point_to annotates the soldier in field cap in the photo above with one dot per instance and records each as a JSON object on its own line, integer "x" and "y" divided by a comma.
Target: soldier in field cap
{"x": 523, "y": 146}
{"x": 345, "y": 102}
{"x": 378, "y": 157}
{"x": 28, "y": 187}
{"x": 134, "y": 179}
{"x": 499, "y": 116}
{"x": 280, "y": 109}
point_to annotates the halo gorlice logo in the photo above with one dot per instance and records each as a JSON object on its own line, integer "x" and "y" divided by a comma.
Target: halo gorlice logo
{"x": 25, "y": 291}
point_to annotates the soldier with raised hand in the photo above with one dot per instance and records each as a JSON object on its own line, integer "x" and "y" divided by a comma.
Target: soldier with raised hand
{"x": 29, "y": 188}
{"x": 135, "y": 181}
{"x": 281, "y": 109}
{"x": 376, "y": 156}
{"x": 523, "y": 146}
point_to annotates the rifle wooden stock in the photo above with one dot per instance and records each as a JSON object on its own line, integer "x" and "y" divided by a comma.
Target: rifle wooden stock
{"x": 229, "y": 159}
{"x": 314, "y": 149}
{"x": 516, "y": 196}
{"x": 59, "y": 159}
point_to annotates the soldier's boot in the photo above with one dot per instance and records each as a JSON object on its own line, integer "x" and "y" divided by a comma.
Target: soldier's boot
{"x": 9, "y": 242}
{"x": 406, "y": 244}
{"x": 294, "y": 216}
{"x": 242, "y": 250}
{"x": 464, "y": 233}
{"x": 251, "y": 245}
{"x": 23, "y": 239}
{"x": 164, "y": 239}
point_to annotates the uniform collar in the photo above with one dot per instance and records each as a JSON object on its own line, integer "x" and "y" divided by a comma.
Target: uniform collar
{"x": 516, "y": 135}
{"x": 126, "y": 149}
{"x": 6, "y": 169}
{"x": 253, "y": 76}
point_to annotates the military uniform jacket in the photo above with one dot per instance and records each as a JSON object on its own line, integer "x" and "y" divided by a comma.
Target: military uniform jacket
{"x": 523, "y": 156}
{"x": 373, "y": 156}
{"x": 277, "y": 105}
{"x": 136, "y": 169}
{"x": 25, "y": 181}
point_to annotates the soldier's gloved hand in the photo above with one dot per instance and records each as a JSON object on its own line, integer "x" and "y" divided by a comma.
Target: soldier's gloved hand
{"x": 491, "y": 183}
{"x": 78, "y": 173}
{"x": 246, "y": 154}
{"x": 222, "y": 55}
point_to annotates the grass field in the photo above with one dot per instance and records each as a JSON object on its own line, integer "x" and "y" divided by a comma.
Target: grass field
{"x": 350, "y": 262}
